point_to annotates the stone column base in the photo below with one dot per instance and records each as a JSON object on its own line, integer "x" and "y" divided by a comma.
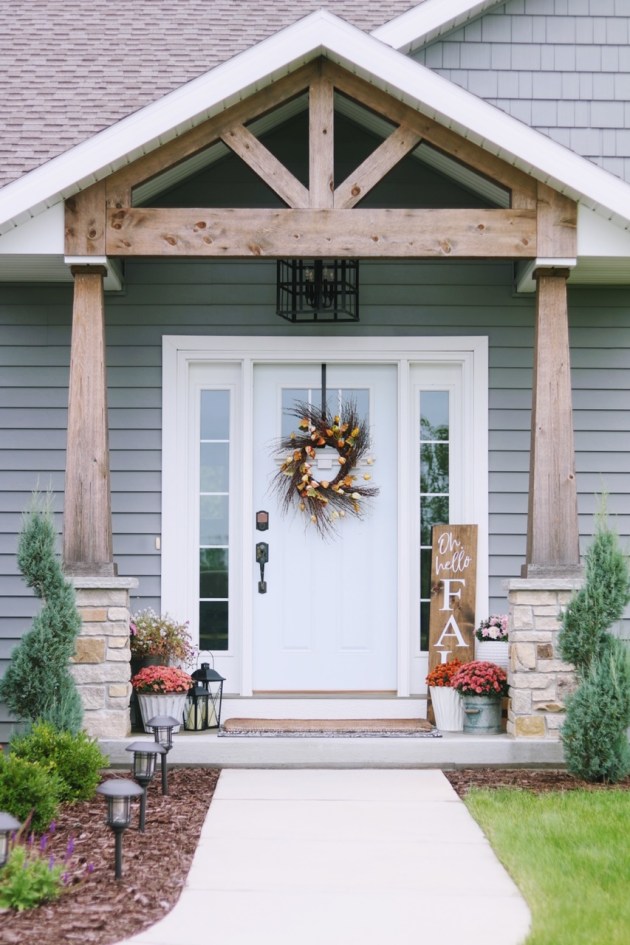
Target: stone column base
{"x": 101, "y": 664}
{"x": 539, "y": 680}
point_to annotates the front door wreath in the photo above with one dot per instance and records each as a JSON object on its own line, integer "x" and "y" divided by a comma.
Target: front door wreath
{"x": 325, "y": 501}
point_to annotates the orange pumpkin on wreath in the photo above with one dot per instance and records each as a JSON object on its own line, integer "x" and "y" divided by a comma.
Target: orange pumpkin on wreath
{"x": 325, "y": 501}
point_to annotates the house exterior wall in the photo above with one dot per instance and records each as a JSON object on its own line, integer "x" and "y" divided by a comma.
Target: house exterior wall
{"x": 201, "y": 298}
{"x": 560, "y": 66}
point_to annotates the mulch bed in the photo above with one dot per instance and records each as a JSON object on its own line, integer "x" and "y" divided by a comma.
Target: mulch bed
{"x": 101, "y": 911}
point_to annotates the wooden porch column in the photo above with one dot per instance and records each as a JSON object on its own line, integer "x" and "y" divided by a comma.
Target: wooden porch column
{"x": 87, "y": 538}
{"x": 552, "y": 523}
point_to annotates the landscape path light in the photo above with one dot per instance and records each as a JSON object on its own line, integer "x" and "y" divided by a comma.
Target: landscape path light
{"x": 8, "y": 825}
{"x": 119, "y": 793}
{"x": 143, "y": 769}
{"x": 162, "y": 726}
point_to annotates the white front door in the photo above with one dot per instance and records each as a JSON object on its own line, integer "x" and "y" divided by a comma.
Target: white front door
{"x": 348, "y": 614}
{"x": 328, "y": 619}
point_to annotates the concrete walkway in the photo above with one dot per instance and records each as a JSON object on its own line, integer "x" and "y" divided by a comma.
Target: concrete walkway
{"x": 307, "y": 857}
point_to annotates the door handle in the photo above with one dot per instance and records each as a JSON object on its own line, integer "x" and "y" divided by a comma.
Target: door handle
{"x": 262, "y": 557}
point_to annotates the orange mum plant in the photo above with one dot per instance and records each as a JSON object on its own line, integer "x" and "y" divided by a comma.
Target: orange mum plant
{"x": 442, "y": 674}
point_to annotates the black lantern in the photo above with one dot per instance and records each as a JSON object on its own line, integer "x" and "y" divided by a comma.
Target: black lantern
{"x": 162, "y": 726}
{"x": 8, "y": 825}
{"x": 211, "y": 684}
{"x": 143, "y": 769}
{"x": 119, "y": 793}
{"x": 318, "y": 290}
{"x": 196, "y": 710}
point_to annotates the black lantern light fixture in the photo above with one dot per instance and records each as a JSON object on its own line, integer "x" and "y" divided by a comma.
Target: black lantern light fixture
{"x": 8, "y": 825}
{"x": 143, "y": 769}
{"x": 162, "y": 727}
{"x": 203, "y": 708}
{"x": 119, "y": 793}
{"x": 318, "y": 290}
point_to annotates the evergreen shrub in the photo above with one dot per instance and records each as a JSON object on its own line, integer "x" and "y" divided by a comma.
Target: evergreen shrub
{"x": 28, "y": 788}
{"x": 594, "y": 734}
{"x": 75, "y": 758}
{"x": 38, "y": 683}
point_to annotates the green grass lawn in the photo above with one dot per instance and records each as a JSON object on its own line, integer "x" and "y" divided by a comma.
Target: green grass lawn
{"x": 569, "y": 854}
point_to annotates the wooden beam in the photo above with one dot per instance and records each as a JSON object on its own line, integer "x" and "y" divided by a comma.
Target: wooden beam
{"x": 552, "y": 522}
{"x": 375, "y": 167}
{"x": 451, "y": 143}
{"x": 321, "y": 143}
{"x": 557, "y": 224}
{"x": 240, "y": 140}
{"x": 121, "y": 183}
{"x": 509, "y": 234}
{"x": 87, "y": 535}
{"x": 85, "y": 222}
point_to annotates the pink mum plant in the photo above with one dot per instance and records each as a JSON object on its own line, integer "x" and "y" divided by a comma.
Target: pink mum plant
{"x": 480, "y": 678}
{"x": 161, "y": 679}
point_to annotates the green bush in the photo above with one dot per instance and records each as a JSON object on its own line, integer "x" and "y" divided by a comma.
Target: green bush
{"x": 594, "y": 732}
{"x": 38, "y": 683}
{"x": 76, "y": 759}
{"x": 598, "y": 714}
{"x": 29, "y": 879}
{"x": 27, "y": 787}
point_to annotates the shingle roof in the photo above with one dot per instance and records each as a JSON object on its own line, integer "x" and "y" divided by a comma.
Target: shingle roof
{"x": 71, "y": 69}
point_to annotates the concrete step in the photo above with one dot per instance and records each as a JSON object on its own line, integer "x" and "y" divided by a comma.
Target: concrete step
{"x": 452, "y": 750}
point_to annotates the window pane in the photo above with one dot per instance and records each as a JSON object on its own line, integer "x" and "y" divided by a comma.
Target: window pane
{"x": 215, "y": 473}
{"x": 290, "y": 397}
{"x": 213, "y": 625}
{"x": 424, "y": 625}
{"x": 434, "y": 414}
{"x": 213, "y": 525}
{"x": 215, "y": 414}
{"x": 425, "y": 573}
{"x": 213, "y": 572}
{"x": 433, "y": 511}
{"x": 434, "y": 467}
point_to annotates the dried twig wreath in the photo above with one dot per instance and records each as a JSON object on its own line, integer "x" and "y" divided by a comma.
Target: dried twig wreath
{"x": 325, "y": 501}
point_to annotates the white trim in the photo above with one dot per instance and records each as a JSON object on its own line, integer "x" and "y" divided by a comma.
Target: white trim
{"x": 321, "y": 33}
{"x": 428, "y": 20}
{"x": 525, "y": 281}
{"x": 180, "y": 353}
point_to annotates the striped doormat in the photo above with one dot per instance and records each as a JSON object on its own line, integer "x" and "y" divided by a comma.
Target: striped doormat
{"x": 329, "y": 728}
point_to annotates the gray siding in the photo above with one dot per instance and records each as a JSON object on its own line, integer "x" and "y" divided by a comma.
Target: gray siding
{"x": 561, "y": 66}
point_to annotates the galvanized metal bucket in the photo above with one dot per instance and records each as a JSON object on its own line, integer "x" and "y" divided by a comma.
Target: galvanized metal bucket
{"x": 482, "y": 714}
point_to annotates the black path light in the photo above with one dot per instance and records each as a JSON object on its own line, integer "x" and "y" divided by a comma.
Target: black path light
{"x": 211, "y": 683}
{"x": 143, "y": 769}
{"x": 8, "y": 825}
{"x": 119, "y": 793}
{"x": 163, "y": 726}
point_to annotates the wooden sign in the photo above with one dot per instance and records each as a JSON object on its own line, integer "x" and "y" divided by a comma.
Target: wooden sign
{"x": 453, "y": 593}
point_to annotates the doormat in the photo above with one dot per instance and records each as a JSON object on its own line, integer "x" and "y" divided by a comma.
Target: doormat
{"x": 329, "y": 728}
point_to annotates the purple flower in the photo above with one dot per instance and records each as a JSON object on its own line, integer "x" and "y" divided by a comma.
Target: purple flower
{"x": 53, "y": 827}
{"x": 43, "y": 843}
{"x": 51, "y": 861}
{"x": 69, "y": 848}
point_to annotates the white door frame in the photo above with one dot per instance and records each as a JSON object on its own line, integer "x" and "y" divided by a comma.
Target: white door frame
{"x": 180, "y": 353}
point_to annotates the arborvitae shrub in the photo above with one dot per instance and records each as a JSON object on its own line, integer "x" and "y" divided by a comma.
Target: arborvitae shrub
{"x": 598, "y": 714}
{"x": 27, "y": 787}
{"x": 75, "y": 758}
{"x": 598, "y": 604}
{"x": 38, "y": 683}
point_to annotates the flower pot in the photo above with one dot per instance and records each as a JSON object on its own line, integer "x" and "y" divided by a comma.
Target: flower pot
{"x": 482, "y": 714}
{"x": 492, "y": 651}
{"x": 448, "y": 708}
{"x": 167, "y": 703}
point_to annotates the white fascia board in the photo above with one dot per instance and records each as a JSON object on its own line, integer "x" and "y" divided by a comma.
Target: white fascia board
{"x": 430, "y": 19}
{"x": 321, "y": 33}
